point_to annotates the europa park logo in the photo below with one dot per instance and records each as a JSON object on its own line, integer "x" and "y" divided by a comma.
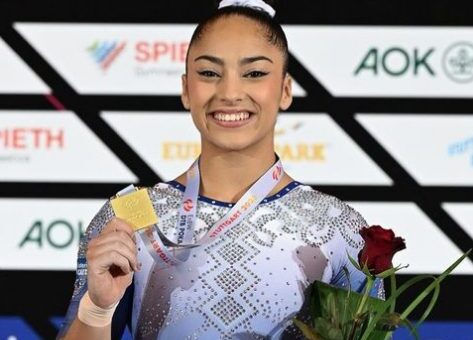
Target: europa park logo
{"x": 104, "y": 53}
{"x": 458, "y": 62}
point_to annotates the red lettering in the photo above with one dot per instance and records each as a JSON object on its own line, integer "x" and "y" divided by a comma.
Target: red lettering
{"x": 36, "y": 137}
{"x": 142, "y": 51}
{"x": 160, "y": 48}
{"x": 183, "y": 51}
{"x": 18, "y": 138}
{"x": 4, "y": 136}
{"x": 58, "y": 138}
{"x": 155, "y": 51}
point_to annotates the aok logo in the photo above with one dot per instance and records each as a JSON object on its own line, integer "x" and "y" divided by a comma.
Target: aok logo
{"x": 457, "y": 62}
{"x": 57, "y": 234}
{"x": 396, "y": 62}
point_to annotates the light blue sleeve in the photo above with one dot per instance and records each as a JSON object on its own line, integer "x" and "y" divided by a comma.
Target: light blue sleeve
{"x": 347, "y": 240}
{"x": 80, "y": 284}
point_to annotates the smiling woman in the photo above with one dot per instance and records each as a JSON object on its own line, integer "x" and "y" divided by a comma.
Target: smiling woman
{"x": 238, "y": 242}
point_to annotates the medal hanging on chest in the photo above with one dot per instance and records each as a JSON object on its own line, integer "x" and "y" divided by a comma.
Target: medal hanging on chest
{"x": 135, "y": 207}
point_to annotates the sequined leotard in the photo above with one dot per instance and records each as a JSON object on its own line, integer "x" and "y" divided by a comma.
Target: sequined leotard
{"x": 248, "y": 284}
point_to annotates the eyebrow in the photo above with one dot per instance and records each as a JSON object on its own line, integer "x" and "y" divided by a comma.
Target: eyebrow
{"x": 244, "y": 61}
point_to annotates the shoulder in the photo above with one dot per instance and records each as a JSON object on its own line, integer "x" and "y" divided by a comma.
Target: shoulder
{"x": 327, "y": 215}
{"x": 327, "y": 206}
{"x": 98, "y": 222}
{"x": 160, "y": 193}
{"x": 162, "y": 190}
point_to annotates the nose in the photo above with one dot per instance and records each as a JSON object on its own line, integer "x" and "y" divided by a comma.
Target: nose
{"x": 230, "y": 89}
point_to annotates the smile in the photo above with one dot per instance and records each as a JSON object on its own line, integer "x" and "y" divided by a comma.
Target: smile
{"x": 231, "y": 117}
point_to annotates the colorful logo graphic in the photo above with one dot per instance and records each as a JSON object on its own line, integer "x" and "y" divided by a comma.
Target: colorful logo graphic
{"x": 277, "y": 172}
{"x": 104, "y": 53}
{"x": 463, "y": 147}
{"x": 188, "y": 205}
{"x": 458, "y": 62}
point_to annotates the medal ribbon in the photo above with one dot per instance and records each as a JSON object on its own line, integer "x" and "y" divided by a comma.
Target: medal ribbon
{"x": 166, "y": 252}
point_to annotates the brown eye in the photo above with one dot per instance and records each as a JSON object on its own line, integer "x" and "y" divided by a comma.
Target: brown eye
{"x": 208, "y": 74}
{"x": 255, "y": 74}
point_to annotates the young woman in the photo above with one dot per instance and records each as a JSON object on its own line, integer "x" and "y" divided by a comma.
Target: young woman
{"x": 262, "y": 237}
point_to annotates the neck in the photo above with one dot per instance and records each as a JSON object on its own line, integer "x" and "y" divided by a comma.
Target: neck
{"x": 226, "y": 176}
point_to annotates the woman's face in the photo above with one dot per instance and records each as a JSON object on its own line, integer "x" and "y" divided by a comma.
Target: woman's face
{"x": 235, "y": 86}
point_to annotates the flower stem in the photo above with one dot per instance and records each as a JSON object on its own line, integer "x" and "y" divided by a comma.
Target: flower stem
{"x": 369, "y": 285}
{"x": 392, "y": 308}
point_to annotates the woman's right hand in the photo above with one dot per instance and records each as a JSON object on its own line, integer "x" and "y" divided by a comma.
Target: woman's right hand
{"x": 111, "y": 261}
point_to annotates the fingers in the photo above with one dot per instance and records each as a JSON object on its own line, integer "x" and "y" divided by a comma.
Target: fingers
{"x": 111, "y": 250}
{"x": 117, "y": 224}
{"x": 114, "y": 246}
{"x": 118, "y": 239}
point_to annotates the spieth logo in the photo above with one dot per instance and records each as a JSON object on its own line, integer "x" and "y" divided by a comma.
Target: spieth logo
{"x": 463, "y": 147}
{"x": 105, "y": 53}
{"x": 31, "y": 138}
{"x": 22, "y": 140}
{"x": 458, "y": 62}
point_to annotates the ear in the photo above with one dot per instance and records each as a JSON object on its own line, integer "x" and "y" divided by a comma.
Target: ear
{"x": 185, "y": 92}
{"x": 286, "y": 97}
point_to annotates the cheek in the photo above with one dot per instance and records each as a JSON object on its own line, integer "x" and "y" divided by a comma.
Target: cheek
{"x": 268, "y": 96}
{"x": 199, "y": 93}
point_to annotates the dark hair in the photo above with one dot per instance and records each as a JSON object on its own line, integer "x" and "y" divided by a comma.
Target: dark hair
{"x": 273, "y": 30}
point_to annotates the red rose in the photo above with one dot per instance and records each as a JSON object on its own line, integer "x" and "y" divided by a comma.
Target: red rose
{"x": 379, "y": 249}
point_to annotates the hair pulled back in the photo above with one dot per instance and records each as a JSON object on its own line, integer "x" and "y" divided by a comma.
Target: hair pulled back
{"x": 272, "y": 29}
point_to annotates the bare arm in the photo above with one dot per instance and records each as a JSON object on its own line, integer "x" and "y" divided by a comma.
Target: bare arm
{"x": 111, "y": 261}
{"x": 80, "y": 331}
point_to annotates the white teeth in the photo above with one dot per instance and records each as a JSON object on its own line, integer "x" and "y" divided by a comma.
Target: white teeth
{"x": 231, "y": 117}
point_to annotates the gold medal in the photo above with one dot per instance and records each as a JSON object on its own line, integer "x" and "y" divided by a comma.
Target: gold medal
{"x": 135, "y": 208}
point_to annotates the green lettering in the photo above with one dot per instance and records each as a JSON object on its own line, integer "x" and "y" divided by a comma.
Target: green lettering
{"x": 34, "y": 234}
{"x": 395, "y": 72}
{"x": 369, "y": 62}
{"x": 418, "y": 62}
{"x": 57, "y": 223}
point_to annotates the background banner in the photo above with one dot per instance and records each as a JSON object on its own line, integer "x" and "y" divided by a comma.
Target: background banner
{"x": 90, "y": 102}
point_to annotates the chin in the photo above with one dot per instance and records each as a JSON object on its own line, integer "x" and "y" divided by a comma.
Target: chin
{"x": 232, "y": 145}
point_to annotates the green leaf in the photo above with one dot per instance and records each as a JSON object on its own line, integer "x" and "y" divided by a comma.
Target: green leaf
{"x": 353, "y": 261}
{"x": 393, "y": 287}
{"x": 390, "y": 271}
{"x": 389, "y": 321}
{"x": 344, "y": 319}
{"x": 321, "y": 305}
{"x": 431, "y": 305}
{"x": 333, "y": 309}
{"x": 307, "y": 331}
{"x": 392, "y": 299}
{"x": 327, "y": 330}
{"x": 419, "y": 298}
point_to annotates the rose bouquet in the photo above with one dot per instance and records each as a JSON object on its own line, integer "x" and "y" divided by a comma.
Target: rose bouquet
{"x": 340, "y": 314}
